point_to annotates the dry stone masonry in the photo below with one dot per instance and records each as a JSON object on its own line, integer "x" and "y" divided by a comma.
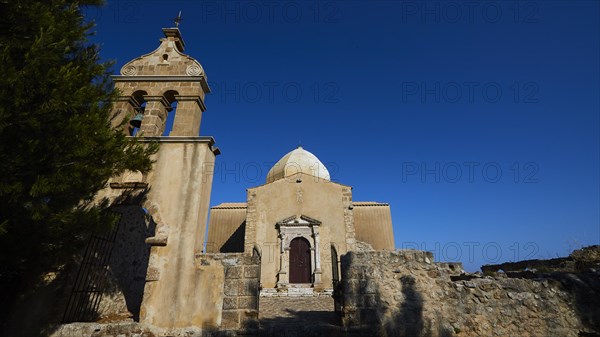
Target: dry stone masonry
{"x": 404, "y": 293}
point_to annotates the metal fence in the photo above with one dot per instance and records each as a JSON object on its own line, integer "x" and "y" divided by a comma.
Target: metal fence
{"x": 91, "y": 279}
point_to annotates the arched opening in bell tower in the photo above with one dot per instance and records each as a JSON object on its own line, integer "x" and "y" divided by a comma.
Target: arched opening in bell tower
{"x": 136, "y": 121}
{"x": 171, "y": 111}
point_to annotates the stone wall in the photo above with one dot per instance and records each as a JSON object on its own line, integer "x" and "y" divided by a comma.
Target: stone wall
{"x": 240, "y": 290}
{"x": 125, "y": 282}
{"x": 403, "y": 293}
{"x": 236, "y": 296}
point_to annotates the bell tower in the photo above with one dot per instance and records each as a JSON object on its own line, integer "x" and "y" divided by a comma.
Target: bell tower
{"x": 150, "y": 84}
{"x": 177, "y": 189}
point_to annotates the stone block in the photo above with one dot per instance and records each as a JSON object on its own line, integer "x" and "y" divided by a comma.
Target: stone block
{"x": 229, "y": 303}
{"x": 231, "y": 287}
{"x": 251, "y": 260}
{"x": 153, "y": 274}
{"x": 230, "y": 319}
{"x": 233, "y": 272}
{"x": 249, "y": 320}
{"x": 250, "y": 302}
{"x": 230, "y": 260}
{"x": 248, "y": 287}
{"x": 251, "y": 271}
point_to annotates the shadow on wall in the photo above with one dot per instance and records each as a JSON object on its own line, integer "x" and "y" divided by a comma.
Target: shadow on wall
{"x": 585, "y": 291}
{"x": 110, "y": 281}
{"x": 235, "y": 243}
{"x": 377, "y": 318}
{"x": 116, "y": 264}
{"x": 130, "y": 256}
{"x": 70, "y": 293}
{"x": 408, "y": 321}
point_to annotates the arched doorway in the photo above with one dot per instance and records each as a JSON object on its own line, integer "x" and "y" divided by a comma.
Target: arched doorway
{"x": 300, "y": 269}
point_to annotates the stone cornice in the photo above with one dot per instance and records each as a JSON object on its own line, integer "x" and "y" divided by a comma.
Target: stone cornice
{"x": 197, "y": 99}
{"x": 182, "y": 139}
{"x": 129, "y": 99}
{"x": 160, "y": 99}
{"x": 163, "y": 78}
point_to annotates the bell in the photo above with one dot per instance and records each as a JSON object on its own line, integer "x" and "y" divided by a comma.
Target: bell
{"x": 136, "y": 122}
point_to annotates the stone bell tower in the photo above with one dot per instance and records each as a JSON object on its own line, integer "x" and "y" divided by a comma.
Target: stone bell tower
{"x": 177, "y": 190}
{"x": 152, "y": 83}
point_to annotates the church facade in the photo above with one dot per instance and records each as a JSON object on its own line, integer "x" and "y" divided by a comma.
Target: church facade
{"x": 300, "y": 223}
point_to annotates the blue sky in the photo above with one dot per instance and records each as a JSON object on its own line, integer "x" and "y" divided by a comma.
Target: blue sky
{"x": 477, "y": 121}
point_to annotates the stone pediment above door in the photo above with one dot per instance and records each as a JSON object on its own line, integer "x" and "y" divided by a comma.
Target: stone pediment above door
{"x": 298, "y": 221}
{"x": 293, "y": 227}
{"x": 297, "y": 226}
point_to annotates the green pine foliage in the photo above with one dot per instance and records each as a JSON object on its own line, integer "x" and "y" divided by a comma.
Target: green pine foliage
{"x": 57, "y": 148}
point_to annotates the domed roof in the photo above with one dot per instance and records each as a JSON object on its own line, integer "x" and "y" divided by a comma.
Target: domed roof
{"x": 298, "y": 160}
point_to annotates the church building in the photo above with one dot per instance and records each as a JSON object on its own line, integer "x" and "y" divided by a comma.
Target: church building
{"x": 285, "y": 240}
{"x": 300, "y": 223}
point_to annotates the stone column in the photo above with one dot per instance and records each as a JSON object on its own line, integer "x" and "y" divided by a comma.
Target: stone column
{"x": 155, "y": 116}
{"x": 188, "y": 116}
{"x": 283, "y": 276}
{"x": 124, "y": 109}
{"x": 317, "y": 258}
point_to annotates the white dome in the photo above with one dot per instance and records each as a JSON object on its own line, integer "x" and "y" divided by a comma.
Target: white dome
{"x": 299, "y": 160}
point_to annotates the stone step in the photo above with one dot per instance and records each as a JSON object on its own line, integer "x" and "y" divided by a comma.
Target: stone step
{"x": 295, "y": 292}
{"x": 298, "y": 316}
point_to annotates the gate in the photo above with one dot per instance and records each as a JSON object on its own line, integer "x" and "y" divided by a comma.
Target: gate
{"x": 91, "y": 279}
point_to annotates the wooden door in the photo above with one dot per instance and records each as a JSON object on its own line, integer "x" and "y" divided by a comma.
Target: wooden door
{"x": 300, "y": 261}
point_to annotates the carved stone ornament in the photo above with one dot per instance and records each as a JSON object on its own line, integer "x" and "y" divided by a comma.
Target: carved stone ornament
{"x": 193, "y": 70}
{"x": 129, "y": 70}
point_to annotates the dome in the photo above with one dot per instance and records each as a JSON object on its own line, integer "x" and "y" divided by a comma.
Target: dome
{"x": 299, "y": 160}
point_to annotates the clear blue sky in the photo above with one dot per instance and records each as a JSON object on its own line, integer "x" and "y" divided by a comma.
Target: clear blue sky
{"x": 478, "y": 122}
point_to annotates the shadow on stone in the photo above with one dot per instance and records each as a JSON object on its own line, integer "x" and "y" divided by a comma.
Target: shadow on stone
{"x": 130, "y": 256}
{"x": 585, "y": 290}
{"x": 235, "y": 243}
{"x": 302, "y": 323}
{"x": 409, "y": 320}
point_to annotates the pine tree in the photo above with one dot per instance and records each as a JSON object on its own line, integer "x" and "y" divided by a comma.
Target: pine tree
{"x": 57, "y": 148}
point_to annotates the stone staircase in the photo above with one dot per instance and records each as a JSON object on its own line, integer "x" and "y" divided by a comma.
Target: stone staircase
{"x": 298, "y": 316}
{"x": 295, "y": 290}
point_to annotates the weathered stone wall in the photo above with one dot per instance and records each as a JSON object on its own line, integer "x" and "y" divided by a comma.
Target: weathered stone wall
{"x": 403, "y": 293}
{"x": 234, "y": 302}
{"x": 240, "y": 290}
{"x": 122, "y": 297}
{"x": 175, "y": 292}
{"x": 328, "y": 202}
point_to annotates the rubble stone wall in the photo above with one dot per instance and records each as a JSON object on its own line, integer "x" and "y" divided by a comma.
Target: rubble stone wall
{"x": 404, "y": 293}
